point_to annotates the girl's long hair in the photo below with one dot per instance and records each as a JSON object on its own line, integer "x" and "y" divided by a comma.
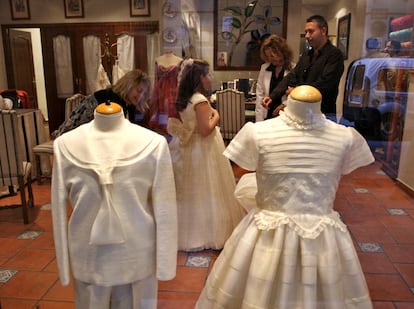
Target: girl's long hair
{"x": 190, "y": 82}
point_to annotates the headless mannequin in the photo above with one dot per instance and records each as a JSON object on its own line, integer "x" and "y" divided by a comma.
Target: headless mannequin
{"x": 164, "y": 92}
{"x": 168, "y": 59}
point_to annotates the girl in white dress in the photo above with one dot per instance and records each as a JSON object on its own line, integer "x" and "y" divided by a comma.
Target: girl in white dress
{"x": 292, "y": 251}
{"x": 207, "y": 208}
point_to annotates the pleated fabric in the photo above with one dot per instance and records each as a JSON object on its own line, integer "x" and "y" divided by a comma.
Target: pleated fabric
{"x": 291, "y": 251}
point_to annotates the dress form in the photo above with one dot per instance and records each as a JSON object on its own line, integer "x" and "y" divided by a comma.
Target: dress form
{"x": 168, "y": 59}
{"x": 108, "y": 108}
{"x": 299, "y": 158}
{"x": 92, "y": 169}
{"x": 164, "y": 91}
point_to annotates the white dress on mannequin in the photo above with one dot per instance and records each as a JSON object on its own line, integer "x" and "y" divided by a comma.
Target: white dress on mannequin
{"x": 292, "y": 250}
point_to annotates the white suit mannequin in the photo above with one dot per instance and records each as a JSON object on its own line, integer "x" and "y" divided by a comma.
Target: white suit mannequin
{"x": 122, "y": 233}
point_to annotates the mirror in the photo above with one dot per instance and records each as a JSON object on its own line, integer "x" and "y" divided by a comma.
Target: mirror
{"x": 239, "y": 28}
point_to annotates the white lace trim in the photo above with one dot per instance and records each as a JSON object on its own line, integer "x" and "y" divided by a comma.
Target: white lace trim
{"x": 313, "y": 121}
{"x": 305, "y": 225}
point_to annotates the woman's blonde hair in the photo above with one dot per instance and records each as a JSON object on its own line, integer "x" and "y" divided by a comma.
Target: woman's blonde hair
{"x": 278, "y": 45}
{"x": 130, "y": 80}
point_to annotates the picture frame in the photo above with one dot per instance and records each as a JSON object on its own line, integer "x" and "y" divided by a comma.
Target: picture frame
{"x": 139, "y": 8}
{"x": 239, "y": 29}
{"x": 73, "y": 8}
{"x": 344, "y": 27}
{"x": 20, "y": 9}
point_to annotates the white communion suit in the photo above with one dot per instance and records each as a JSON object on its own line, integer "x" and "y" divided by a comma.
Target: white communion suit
{"x": 292, "y": 251}
{"x": 122, "y": 232}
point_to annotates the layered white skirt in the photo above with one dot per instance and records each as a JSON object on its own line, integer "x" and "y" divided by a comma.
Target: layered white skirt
{"x": 282, "y": 267}
{"x": 207, "y": 209}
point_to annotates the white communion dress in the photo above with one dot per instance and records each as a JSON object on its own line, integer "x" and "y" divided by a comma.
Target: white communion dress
{"x": 207, "y": 209}
{"x": 292, "y": 250}
{"x": 119, "y": 180}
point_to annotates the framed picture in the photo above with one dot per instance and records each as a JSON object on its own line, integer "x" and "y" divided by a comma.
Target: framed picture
{"x": 140, "y": 7}
{"x": 344, "y": 26}
{"x": 73, "y": 8}
{"x": 20, "y": 9}
{"x": 239, "y": 29}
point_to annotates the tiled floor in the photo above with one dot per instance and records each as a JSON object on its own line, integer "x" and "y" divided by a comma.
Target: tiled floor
{"x": 379, "y": 214}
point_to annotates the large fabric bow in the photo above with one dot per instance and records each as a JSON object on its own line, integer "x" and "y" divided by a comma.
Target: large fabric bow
{"x": 176, "y": 128}
{"x": 107, "y": 227}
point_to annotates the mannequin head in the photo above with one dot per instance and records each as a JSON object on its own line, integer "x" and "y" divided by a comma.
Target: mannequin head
{"x": 306, "y": 94}
{"x": 109, "y": 117}
{"x": 108, "y": 108}
{"x": 304, "y": 105}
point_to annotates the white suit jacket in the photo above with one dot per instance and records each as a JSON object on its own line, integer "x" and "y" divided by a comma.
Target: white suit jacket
{"x": 262, "y": 90}
{"x": 123, "y": 226}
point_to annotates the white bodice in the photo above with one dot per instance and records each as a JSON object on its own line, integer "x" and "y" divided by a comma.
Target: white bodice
{"x": 296, "y": 192}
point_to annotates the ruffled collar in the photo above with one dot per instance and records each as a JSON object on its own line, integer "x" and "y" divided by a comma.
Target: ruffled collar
{"x": 310, "y": 122}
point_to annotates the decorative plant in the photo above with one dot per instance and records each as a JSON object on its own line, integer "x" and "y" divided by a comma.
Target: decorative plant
{"x": 241, "y": 22}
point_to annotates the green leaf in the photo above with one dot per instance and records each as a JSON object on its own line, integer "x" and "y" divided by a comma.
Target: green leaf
{"x": 248, "y": 11}
{"x": 235, "y": 10}
{"x": 236, "y": 23}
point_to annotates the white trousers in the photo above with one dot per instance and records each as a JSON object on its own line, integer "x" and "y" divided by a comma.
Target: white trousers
{"x": 137, "y": 295}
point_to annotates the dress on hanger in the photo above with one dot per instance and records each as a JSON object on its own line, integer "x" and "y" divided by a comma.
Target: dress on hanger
{"x": 207, "y": 209}
{"x": 164, "y": 91}
{"x": 292, "y": 250}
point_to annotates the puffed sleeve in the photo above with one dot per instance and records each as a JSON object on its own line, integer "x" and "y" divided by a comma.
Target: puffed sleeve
{"x": 242, "y": 149}
{"x": 358, "y": 153}
{"x": 198, "y": 98}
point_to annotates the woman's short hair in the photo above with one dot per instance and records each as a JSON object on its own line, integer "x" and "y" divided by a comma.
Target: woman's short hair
{"x": 278, "y": 45}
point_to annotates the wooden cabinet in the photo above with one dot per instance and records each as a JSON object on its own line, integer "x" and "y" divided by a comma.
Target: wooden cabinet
{"x": 107, "y": 34}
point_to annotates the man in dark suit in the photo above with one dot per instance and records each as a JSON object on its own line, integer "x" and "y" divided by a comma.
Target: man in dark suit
{"x": 321, "y": 66}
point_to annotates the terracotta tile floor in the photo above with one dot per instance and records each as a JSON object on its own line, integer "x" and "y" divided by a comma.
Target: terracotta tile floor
{"x": 379, "y": 214}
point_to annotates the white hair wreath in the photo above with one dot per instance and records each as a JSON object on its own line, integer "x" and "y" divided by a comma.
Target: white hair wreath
{"x": 184, "y": 64}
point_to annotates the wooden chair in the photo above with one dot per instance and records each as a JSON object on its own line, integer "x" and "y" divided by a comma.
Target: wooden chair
{"x": 231, "y": 108}
{"x": 45, "y": 149}
{"x": 14, "y": 170}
